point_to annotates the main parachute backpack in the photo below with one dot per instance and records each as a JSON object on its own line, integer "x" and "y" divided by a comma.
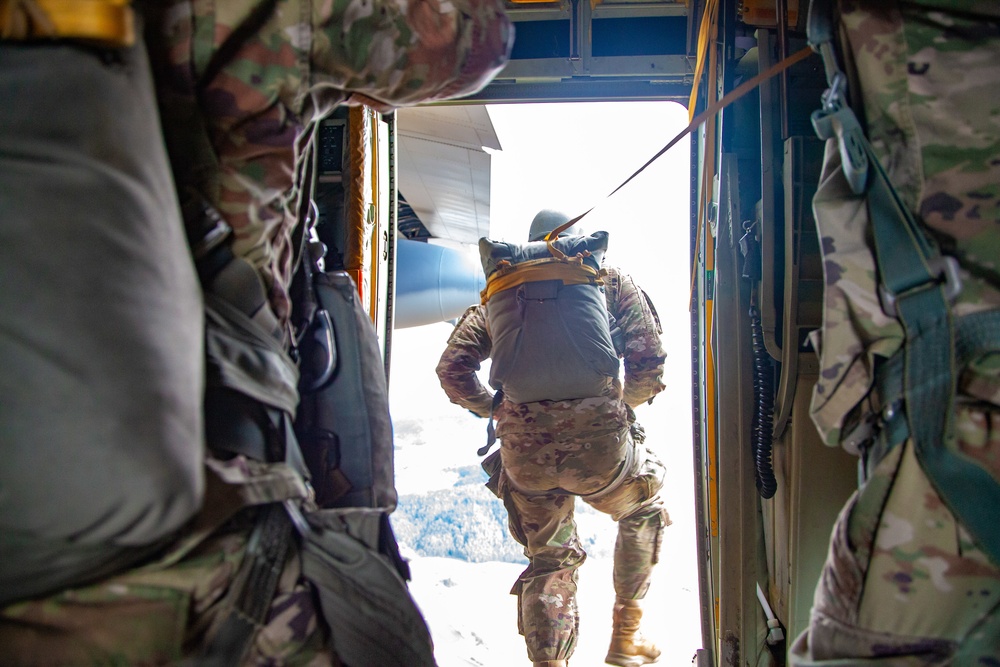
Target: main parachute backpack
{"x": 548, "y": 318}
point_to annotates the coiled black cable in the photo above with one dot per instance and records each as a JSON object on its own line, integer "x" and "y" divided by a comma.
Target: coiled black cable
{"x": 763, "y": 418}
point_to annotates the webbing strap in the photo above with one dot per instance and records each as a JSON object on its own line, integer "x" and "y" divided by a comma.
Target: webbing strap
{"x": 253, "y": 589}
{"x": 491, "y": 432}
{"x": 570, "y": 271}
{"x": 917, "y": 286}
{"x": 975, "y": 334}
{"x": 252, "y": 592}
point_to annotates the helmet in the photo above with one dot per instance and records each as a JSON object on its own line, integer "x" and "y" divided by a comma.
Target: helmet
{"x": 546, "y": 220}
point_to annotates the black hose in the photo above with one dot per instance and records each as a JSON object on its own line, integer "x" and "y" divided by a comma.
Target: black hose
{"x": 762, "y": 425}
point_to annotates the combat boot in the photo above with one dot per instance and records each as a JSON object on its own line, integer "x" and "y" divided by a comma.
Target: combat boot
{"x": 628, "y": 647}
{"x": 550, "y": 663}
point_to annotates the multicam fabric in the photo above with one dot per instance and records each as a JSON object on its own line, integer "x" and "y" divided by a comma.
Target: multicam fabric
{"x": 139, "y": 618}
{"x": 305, "y": 59}
{"x": 162, "y": 612}
{"x": 927, "y": 81}
{"x": 543, "y": 522}
{"x": 553, "y": 451}
{"x": 904, "y": 583}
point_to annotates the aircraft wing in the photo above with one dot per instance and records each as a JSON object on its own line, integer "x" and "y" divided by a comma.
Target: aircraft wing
{"x": 444, "y": 171}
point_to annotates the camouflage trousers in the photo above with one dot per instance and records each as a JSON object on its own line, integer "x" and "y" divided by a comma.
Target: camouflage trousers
{"x": 904, "y": 584}
{"x": 165, "y": 611}
{"x": 540, "y": 481}
{"x": 162, "y": 613}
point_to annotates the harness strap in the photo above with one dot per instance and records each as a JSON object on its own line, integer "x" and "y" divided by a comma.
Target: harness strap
{"x": 975, "y": 334}
{"x": 917, "y": 286}
{"x": 491, "y": 431}
{"x": 253, "y": 589}
{"x": 570, "y": 271}
{"x": 251, "y": 593}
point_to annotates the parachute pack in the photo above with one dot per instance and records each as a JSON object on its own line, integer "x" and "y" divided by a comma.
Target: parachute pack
{"x": 345, "y": 433}
{"x": 548, "y": 318}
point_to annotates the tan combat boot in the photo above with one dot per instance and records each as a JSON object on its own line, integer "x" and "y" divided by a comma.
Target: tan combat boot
{"x": 628, "y": 648}
{"x": 550, "y": 663}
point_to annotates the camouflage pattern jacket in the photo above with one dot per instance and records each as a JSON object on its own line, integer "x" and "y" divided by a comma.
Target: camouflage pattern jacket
{"x": 243, "y": 83}
{"x": 947, "y": 173}
{"x": 470, "y": 344}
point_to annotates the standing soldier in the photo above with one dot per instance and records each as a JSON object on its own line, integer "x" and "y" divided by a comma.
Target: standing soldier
{"x": 908, "y": 207}
{"x": 555, "y": 450}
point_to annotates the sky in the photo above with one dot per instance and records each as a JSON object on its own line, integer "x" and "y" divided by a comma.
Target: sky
{"x": 569, "y": 156}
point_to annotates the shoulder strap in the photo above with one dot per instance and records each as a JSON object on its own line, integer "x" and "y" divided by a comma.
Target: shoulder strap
{"x": 567, "y": 270}
{"x": 917, "y": 286}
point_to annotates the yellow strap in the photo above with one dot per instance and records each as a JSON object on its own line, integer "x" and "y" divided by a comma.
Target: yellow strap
{"x": 106, "y": 22}
{"x": 571, "y": 271}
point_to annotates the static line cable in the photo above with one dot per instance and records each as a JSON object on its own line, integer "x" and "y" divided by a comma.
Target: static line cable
{"x": 730, "y": 97}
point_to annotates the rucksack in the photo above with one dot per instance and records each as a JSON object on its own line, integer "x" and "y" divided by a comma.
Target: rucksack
{"x": 548, "y": 319}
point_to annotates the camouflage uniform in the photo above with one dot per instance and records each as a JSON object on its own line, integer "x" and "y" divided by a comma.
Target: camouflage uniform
{"x": 302, "y": 62}
{"x": 553, "y": 451}
{"x": 904, "y": 583}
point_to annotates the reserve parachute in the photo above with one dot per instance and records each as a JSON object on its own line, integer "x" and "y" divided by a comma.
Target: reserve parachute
{"x": 548, "y": 318}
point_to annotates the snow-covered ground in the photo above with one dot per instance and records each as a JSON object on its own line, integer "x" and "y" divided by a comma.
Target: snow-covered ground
{"x": 472, "y": 617}
{"x": 463, "y": 561}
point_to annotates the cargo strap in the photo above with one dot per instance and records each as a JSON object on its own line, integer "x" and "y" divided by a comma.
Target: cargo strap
{"x": 568, "y": 270}
{"x": 491, "y": 432}
{"x": 104, "y": 22}
{"x": 268, "y": 548}
{"x": 975, "y": 335}
{"x": 253, "y": 589}
{"x": 917, "y": 286}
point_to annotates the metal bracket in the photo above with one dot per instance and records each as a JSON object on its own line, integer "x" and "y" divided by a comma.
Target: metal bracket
{"x": 837, "y": 119}
{"x": 943, "y": 267}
